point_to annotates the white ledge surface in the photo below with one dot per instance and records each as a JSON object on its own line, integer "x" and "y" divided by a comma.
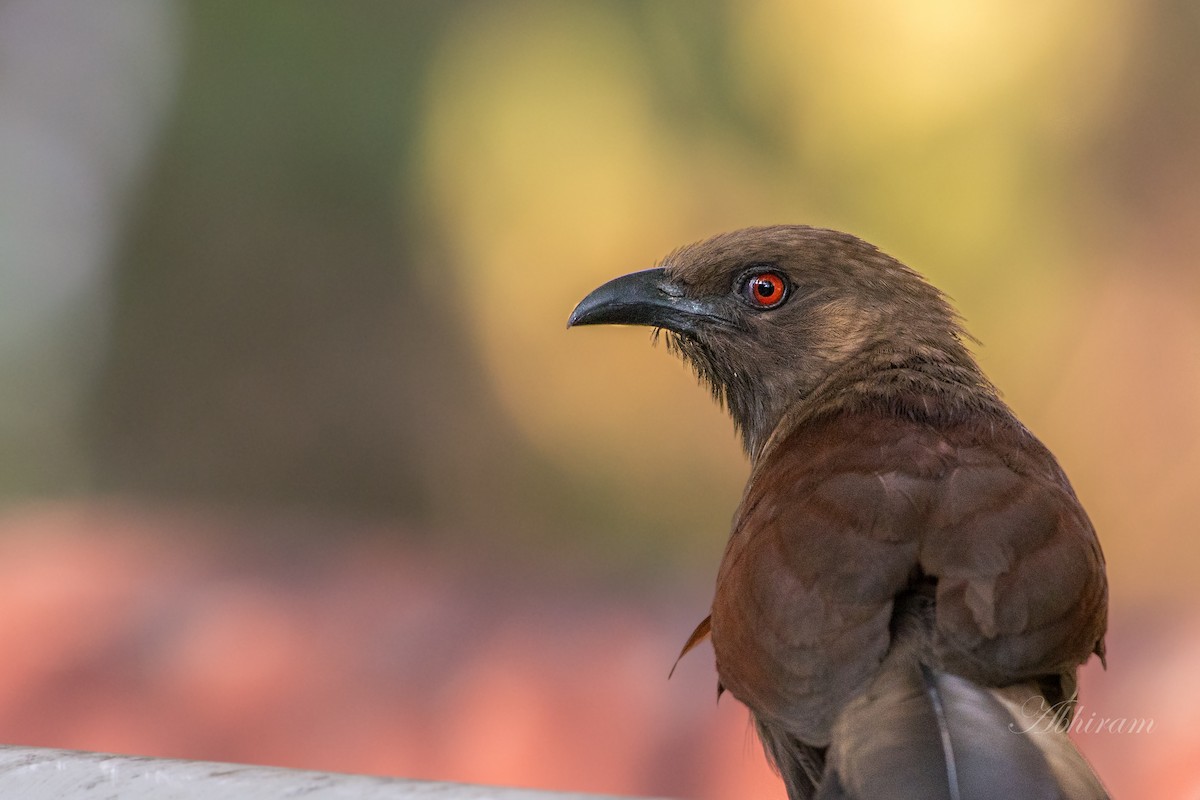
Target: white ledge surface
{"x": 31, "y": 773}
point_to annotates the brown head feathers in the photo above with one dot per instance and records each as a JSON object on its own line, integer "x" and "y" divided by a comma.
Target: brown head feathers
{"x": 850, "y": 313}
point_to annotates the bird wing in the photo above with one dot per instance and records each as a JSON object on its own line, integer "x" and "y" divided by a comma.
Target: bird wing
{"x": 828, "y": 534}
{"x": 1021, "y": 591}
{"x": 851, "y": 513}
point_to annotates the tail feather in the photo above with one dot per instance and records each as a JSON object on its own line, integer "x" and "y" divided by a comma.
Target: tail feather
{"x": 1046, "y": 725}
{"x": 919, "y": 733}
{"x": 938, "y": 706}
{"x": 800, "y": 765}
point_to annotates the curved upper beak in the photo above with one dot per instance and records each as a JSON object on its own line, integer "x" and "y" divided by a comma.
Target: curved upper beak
{"x": 642, "y": 298}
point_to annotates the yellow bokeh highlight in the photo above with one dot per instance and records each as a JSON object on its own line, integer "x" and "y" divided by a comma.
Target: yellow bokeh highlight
{"x": 552, "y": 173}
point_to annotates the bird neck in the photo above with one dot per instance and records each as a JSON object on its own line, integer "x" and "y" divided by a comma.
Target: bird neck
{"x": 929, "y": 383}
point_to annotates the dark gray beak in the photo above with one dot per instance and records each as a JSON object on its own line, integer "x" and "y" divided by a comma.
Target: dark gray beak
{"x": 643, "y": 298}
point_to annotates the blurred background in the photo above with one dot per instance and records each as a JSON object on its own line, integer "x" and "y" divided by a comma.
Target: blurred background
{"x": 299, "y": 466}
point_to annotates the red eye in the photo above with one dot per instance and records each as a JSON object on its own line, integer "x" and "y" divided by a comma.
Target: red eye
{"x": 765, "y": 290}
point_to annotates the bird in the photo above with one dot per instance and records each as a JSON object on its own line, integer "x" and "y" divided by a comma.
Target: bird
{"x": 910, "y": 582}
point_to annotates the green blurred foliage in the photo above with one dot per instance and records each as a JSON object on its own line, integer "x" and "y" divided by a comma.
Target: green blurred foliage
{"x": 342, "y": 281}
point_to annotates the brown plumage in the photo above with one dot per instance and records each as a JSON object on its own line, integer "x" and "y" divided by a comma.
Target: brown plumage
{"x": 910, "y": 575}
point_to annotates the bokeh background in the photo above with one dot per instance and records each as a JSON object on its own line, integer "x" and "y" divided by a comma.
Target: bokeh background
{"x": 299, "y": 466}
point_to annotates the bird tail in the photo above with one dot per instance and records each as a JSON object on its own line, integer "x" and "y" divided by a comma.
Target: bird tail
{"x": 920, "y": 733}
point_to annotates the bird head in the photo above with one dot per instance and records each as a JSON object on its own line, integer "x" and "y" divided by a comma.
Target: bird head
{"x": 769, "y": 316}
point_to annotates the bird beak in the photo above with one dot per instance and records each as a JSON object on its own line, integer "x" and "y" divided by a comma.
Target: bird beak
{"x": 643, "y": 298}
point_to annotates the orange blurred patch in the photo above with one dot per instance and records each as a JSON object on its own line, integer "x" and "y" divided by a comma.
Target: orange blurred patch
{"x": 174, "y": 635}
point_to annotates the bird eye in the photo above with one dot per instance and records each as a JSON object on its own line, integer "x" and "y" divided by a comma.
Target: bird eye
{"x": 765, "y": 289}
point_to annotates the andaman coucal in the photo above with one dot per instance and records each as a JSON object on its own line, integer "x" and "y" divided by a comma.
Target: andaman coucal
{"x": 910, "y": 582}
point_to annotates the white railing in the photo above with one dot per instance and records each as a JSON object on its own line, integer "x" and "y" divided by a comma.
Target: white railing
{"x": 30, "y": 773}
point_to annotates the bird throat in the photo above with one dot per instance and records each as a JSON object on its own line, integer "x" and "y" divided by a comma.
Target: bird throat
{"x": 739, "y": 390}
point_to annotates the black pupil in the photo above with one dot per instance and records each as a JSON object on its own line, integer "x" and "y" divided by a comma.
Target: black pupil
{"x": 764, "y": 288}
